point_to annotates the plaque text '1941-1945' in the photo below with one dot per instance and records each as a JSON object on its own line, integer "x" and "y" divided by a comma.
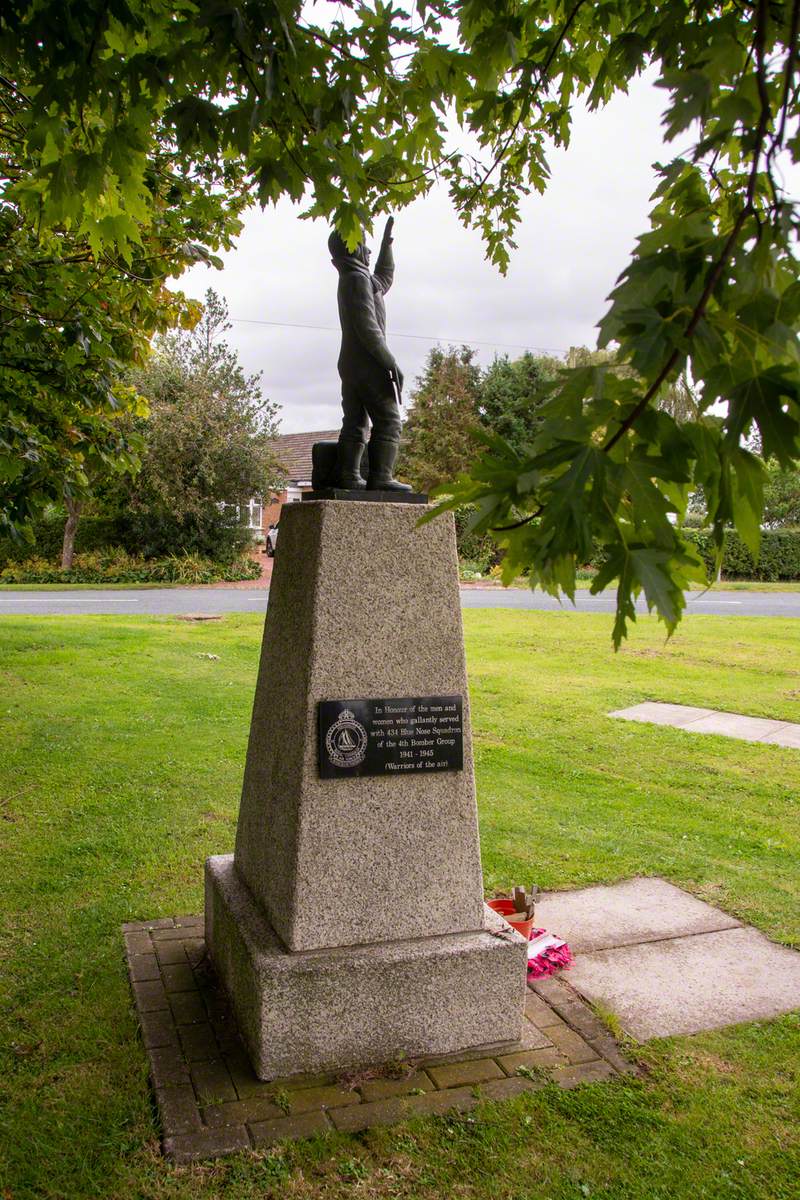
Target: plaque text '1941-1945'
{"x": 390, "y": 737}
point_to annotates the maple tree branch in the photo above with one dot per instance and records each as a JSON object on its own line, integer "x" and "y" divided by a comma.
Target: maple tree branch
{"x": 12, "y": 87}
{"x": 518, "y": 524}
{"x": 715, "y": 274}
{"x": 748, "y": 210}
{"x": 545, "y": 67}
{"x": 344, "y": 53}
{"x": 794, "y": 36}
{"x": 96, "y": 283}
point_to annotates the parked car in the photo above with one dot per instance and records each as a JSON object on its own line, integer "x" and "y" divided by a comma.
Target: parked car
{"x": 271, "y": 540}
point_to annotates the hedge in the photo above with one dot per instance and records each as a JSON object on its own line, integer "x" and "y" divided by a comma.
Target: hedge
{"x": 142, "y": 534}
{"x": 779, "y": 557}
{"x": 94, "y": 533}
{"x": 117, "y": 566}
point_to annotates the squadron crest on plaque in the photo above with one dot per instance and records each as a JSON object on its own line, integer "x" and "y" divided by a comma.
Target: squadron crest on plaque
{"x": 346, "y": 741}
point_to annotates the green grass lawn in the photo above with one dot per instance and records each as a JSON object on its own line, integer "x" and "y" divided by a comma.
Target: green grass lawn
{"x": 122, "y": 757}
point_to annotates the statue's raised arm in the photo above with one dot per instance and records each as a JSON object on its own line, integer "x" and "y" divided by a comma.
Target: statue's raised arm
{"x": 384, "y": 267}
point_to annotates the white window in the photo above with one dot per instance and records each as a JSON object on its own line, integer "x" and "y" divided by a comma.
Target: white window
{"x": 255, "y": 513}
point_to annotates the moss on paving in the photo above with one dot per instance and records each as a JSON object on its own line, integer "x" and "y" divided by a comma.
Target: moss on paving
{"x": 122, "y": 759}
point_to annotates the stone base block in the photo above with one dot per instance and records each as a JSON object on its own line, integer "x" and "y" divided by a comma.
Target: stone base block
{"x": 360, "y": 1005}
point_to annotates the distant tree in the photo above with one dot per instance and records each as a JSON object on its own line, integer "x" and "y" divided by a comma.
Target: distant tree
{"x": 511, "y": 395}
{"x": 77, "y": 311}
{"x": 206, "y": 441}
{"x": 677, "y": 398}
{"x": 582, "y": 356}
{"x": 453, "y": 400}
{"x": 438, "y": 441}
{"x": 781, "y": 497}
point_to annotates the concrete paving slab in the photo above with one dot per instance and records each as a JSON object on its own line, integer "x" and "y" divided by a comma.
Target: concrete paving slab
{"x": 749, "y": 729}
{"x": 707, "y": 720}
{"x": 655, "y": 713}
{"x": 787, "y": 735}
{"x": 690, "y": 984}
{"x": 624, "y": 914}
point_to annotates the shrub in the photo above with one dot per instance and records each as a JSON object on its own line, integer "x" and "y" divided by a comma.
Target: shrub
{"x": 469, "y": 571}
{"x": 117, "y": 566}
{"x": 779, "y": 557}
{"x": 159, "y": 533}
{"x": 477, "y": 549}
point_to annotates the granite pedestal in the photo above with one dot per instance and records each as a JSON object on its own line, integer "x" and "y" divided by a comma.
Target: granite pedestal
{"x": 349, "y": 926}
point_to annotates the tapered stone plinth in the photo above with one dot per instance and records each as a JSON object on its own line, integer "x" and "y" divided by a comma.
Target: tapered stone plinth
{"x": 358, "y": 900}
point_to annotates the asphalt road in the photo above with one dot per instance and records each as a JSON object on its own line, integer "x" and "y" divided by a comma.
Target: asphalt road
{"x": 171, "y": 601}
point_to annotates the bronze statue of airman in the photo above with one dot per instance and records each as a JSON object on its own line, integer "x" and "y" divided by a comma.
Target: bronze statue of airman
{"x": 372, "y": 382}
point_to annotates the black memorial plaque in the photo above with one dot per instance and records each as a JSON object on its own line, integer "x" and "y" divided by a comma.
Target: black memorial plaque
{"x": 390, "y": 737}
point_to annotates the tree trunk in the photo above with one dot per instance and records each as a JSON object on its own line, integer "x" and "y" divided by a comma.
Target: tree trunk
{"x": 70, "y": 529}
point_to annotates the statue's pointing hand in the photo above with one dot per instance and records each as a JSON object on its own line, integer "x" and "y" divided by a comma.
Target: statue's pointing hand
{"x": 397, "y": 376}
{"x": 387, "y": 233}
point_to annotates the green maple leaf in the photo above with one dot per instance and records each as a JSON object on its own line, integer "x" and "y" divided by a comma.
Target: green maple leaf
{"x": 770, "y": 400}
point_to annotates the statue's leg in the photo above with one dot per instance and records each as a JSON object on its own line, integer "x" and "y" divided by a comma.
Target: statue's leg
{"x": 384, "y": 445}
{"x": 355, "y": 425}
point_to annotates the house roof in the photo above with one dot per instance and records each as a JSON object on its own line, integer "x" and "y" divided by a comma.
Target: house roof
{"x": 294, "y": 452}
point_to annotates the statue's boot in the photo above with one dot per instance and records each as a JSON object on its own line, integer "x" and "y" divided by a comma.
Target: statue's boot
{"x": 382, "y": 455}
{"x": 349, "y": 461}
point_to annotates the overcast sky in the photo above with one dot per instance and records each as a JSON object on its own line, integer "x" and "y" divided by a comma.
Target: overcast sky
{"x": 573, "y": 242}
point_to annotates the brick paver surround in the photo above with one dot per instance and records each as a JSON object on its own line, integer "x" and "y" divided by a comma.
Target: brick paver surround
{"x": 210, "y": 1102}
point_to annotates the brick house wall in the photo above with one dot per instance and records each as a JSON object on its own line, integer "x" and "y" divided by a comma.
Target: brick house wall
{"x": 294, "y": 452}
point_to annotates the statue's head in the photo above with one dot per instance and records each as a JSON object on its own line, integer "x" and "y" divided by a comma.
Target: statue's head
{"x": 338, "y": 249}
